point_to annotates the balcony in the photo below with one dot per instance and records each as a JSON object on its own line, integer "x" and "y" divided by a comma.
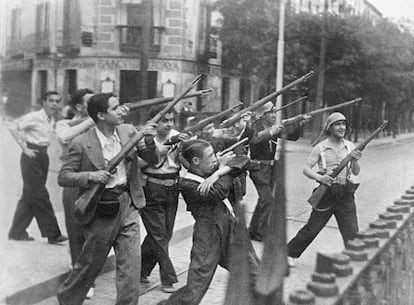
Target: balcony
{"x": 130, "y": 38}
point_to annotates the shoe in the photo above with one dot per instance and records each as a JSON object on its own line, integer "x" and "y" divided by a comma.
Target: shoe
{"x": 22, "y": 238}
{"x": 90, "y": 293}
{"x": 168, "y": 288}
{"x": 57, "y": 240}
{"x": 144, "y": 280}
{"x": 291, "y": 262}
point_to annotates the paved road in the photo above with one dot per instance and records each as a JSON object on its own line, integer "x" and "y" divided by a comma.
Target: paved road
{"x": 386, "y": 172}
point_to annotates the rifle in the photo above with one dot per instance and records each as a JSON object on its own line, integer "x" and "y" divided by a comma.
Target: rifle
{"x": 203, "y": 123}
{"x": 320, "y": 191}
{"x": 288, "y": 105}
{"x": 160, "y": 100}
{"x": 230, "y": 148}
{"x": 85, "y": 205}
{"x": 261, "y": 102}
{"x": 298, "y": 118}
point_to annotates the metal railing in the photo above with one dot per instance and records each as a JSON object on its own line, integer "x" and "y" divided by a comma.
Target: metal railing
{"x": 377, "y": 268}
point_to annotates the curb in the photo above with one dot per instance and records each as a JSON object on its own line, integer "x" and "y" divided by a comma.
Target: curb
{"x": 49, "y": 288}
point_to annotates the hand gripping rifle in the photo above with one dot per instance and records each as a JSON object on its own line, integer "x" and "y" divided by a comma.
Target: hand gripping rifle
{"x": 85, "y": 205}
{"x": 235, "y": 118}
{"x": 320, "y": 191}
{"x": 160, "y": 100}
{"x": 203, "y": 123}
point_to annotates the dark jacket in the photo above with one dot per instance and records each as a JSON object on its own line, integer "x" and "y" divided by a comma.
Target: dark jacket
{"x": 211, "y": 205}
{"x": 264, "y": 148}
{"x": 85, "y": 155}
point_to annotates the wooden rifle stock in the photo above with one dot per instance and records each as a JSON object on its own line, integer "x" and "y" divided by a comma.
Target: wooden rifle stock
{"x": 160, "y": 100}
{"x": 229, "y": 122}
{"x": 320, "y": 191}
{"x": 85, "y": 205}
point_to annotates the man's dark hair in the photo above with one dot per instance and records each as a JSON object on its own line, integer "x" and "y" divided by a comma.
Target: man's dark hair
{"x": 193, "y": 148}
{"x": 98, "y": 103}
{"x": 154, "y": 110}
{"x": 77, "y": 97}
{"x": 47, "y": 93}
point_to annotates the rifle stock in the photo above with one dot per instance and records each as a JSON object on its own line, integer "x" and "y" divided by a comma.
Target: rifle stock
{"x": 85, "y": 205}
{"x": 161, "y": 100}
{"x": 261, "y": 102}
{"x": 320, "y": 191}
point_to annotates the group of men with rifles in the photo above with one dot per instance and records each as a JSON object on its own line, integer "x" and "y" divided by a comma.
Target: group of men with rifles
{"x": 112, "y": 173}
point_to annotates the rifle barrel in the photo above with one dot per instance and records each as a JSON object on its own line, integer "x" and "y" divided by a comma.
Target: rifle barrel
{"x": 161, "y": 100}
{"x": 230, "y": 148}
{"x": 292, "y": 103}
{"x": 299, "y": 117}
{"x": 213, "y": 118}
{"x": 263, "y": 101}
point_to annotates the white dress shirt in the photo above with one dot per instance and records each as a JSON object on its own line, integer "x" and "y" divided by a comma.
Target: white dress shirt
{"x": 110, "y": 148}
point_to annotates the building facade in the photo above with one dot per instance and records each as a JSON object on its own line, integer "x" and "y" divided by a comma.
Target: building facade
{"x": 69, "y": 44}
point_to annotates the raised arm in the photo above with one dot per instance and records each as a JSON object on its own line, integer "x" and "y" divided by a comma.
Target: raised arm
{"x": 66, "y": 133}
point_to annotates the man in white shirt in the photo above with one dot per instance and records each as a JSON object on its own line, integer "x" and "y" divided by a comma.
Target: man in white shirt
{"x": 32, "y": 132}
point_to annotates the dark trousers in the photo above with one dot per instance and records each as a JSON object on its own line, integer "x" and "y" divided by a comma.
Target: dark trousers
{"x": 345, "y": 214}
{"x": 73, "y": 227}
{"x": 34, "y": 202}
{"x": 120, "y": 232}
{"x": 259, "y": 224}
{"x": 158, "y": 217}
{"x": 211, "y": 247}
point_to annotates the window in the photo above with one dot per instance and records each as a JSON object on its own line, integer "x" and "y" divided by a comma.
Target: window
{"x": 42, "y": 26}
{"x": 71, "y": 81}
{"x": 15, "y": 26}
{"x": 132, "y": 18}
{"x": 42, "y": 83}
{"x": 225, "y": 93}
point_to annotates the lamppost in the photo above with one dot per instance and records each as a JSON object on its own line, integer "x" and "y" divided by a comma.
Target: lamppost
{"x": 280, "y": 57}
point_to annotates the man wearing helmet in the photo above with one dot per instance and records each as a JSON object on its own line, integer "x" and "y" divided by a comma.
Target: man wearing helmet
{"x": 328, "y": 154}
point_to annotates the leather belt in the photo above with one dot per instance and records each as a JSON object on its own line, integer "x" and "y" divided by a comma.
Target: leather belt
{"x": 164, "y": 182}
{"x": 37, "y": 147}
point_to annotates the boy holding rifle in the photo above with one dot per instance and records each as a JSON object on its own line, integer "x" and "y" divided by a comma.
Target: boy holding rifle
{"x": 210, "y": 192}
{"x": 115, "y": 222}
{"x": 161, "y": 194}
{"x": 340, "y": 202}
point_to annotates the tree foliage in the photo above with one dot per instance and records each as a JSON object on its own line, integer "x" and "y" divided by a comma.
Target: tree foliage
{"x": 371, "y": 60}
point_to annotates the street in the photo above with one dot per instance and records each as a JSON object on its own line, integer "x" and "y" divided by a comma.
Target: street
{"x": 386, "y": 172}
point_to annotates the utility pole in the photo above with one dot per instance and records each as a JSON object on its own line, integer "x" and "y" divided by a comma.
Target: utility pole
{"x": 280, "y": 57}
{"x": 321, "y": 73}
{"x": 145, "y": 46}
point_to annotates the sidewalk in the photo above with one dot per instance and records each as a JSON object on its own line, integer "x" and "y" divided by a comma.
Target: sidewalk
{"x": 31, "y": 272}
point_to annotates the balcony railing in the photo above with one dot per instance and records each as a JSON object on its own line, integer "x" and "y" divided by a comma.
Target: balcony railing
{"x": 130, "y": 38}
